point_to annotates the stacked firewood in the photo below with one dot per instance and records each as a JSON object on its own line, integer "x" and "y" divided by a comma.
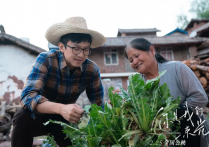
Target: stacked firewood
{"x": 201, "y": 70}
{"x": 6, "y": 114}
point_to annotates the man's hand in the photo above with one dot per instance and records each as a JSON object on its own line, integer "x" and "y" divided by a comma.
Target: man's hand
{"x": 72, "y": 112}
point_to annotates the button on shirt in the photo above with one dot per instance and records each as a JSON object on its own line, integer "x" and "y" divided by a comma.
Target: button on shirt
{"x": 50, "y": 80}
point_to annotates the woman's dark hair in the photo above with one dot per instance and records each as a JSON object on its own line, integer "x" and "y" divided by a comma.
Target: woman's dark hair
{"x": 76, "y": 38}
{"x": 144, "y": 45}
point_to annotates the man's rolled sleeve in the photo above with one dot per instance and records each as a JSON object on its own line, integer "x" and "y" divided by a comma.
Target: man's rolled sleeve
{"x": 31, "y": 95}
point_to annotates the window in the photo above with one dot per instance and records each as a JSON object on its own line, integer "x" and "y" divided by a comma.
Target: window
{"x": 111, "y": 57}
{"x": 167, "y": 52}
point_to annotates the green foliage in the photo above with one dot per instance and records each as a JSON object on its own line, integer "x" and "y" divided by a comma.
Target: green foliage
{"x": 182, "y": 21}
{"x": 200, "y": 9}
{"x": 50, "y": 141}
{"x": 135, "y": 119}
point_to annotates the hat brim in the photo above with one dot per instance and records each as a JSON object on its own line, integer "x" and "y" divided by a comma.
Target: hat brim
{"x": 54, "y": 33}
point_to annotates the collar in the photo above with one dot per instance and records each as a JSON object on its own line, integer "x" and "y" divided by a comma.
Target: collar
{"x": 63, "y": 63}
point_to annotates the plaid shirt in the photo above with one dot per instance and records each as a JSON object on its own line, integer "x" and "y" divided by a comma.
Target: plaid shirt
{"x": 50, "y": 80}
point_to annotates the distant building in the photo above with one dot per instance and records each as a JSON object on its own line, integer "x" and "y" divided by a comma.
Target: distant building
{"x": 17, "y": 57}
{"x": 176, "y": 45}
{"x": 200, "y": 28}
{"x": 177, "y": 32}
{"x": 152, "y": 32}
{"x": 194, "y": 24}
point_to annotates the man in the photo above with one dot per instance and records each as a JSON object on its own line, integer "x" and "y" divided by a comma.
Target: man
{"x": 55, "y": 82}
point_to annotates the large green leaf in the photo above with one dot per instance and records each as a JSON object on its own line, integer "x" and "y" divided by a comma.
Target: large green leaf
{"x": 115, "y": 99}
{"x": 136, "y": 84}
{"x": 150, "y": 82}
{"x": 87, "y": 108}
{"x": 158, "y": 142}
{"x": 134, "y": 113}
{"x": 93, "y": 141}
{"x": 125, "y": 94}
{"x": 129, "y": 133}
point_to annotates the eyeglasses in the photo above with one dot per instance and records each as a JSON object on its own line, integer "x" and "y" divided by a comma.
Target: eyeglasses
{"x": 77, "y": 50}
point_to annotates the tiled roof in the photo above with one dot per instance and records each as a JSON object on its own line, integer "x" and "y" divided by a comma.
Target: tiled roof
{"x": 9, "y": 38}
{"x": 138, "y": 30}
{"x": 177, "y": 30}
{"x": 165, "y": 40}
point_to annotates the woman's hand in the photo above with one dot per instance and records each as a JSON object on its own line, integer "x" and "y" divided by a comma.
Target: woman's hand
{"x": 114, "y": 91}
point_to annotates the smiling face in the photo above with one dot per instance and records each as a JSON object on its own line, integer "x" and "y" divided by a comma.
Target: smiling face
{"x": 72, "y": 59}
{"x": 141, "y": 61}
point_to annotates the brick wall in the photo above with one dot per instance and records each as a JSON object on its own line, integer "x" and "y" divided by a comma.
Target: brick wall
{"x": 195, "y": 26}
{"x": 97, "y": 56}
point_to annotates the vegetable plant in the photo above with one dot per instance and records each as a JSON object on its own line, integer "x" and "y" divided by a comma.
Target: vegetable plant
{"x": 143, "y": 117}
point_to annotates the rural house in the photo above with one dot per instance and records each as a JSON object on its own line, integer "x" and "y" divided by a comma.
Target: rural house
{"x": 201, "y": 30}
{"x": 194, "y": 24}
{"x": 16, "y": 56}
{"x": 176, "y": 45}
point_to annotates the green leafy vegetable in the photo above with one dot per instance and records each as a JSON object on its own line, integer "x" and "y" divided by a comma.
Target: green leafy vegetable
{"x": 136, "y": 119}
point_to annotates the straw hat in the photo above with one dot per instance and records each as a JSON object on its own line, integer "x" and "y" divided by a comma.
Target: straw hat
{"x": 73, "y": 25}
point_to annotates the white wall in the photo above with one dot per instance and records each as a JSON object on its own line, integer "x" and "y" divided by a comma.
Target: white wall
{"x": 15, "y": 65}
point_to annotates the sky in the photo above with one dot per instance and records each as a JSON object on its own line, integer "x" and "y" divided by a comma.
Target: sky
{"x": 31, "y": 18}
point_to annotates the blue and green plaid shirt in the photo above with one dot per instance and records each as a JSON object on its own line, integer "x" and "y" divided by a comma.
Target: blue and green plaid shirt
{"x": 50, "y": 80}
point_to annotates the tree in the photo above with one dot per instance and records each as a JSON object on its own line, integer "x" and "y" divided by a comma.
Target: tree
{"x": 182, "y": 20}
{"x": 200, "y": 9}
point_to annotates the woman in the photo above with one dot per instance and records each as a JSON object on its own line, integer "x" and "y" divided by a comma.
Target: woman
{"x": 181, "y": 82}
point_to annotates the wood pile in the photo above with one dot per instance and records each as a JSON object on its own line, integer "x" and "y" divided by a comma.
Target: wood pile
{"x": 6, "y": 115}
{"x": 201, "y": 70}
